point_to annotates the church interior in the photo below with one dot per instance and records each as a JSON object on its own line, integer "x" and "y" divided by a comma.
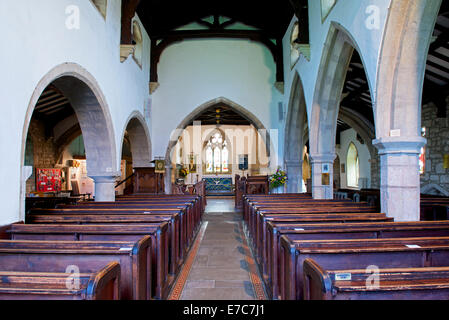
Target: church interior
{"x": 225, "y": 150}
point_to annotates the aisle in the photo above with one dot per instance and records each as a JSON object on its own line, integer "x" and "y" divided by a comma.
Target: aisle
{"x": 221, "y": 266}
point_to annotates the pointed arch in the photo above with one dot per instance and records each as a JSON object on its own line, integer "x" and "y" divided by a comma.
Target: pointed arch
{"x": 92, "y": 111}
{"x": 265, "y": 134}
{"x": 140, "y": 140}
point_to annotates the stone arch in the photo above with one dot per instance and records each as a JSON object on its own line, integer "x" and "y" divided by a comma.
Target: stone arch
{"x": 140, "y": 140}
{"x": 402, "y": 64}
{"x": 337, "y": 55}
{"x": 361, "y": 125}
{"x": 399, "y": 86}
{"x": 296, "y": 135}
{"x": 236, "y": 107}
{"x": 265, "y": 134}
{"x": 92, "y": 111}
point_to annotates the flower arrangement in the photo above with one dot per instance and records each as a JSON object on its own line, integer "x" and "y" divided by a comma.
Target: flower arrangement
{"x": 183, "y": 172}
{"x": 278, "y": 179}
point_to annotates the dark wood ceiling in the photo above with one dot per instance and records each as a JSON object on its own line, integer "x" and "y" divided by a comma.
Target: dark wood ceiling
{"x": 356, "y": 92}
{"x": 51, "y": 108}
{"x": 221, "y": 114}
{"x": 161, "y": 16}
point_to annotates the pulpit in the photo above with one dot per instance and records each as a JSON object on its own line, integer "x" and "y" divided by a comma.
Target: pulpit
{"x": 146, "y": 180}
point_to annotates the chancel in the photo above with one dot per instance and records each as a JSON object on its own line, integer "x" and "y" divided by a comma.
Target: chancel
{"x": 224, "y": 150}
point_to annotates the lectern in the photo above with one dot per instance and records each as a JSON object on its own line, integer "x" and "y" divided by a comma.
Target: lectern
{"x": 146, "y": 180}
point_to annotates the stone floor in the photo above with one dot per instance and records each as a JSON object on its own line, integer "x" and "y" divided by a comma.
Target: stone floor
{"x": 220, "y": 270}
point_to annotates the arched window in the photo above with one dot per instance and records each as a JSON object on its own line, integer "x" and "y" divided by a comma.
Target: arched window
{"x": 217, "y": 155}
{"x": 352, "y": 164}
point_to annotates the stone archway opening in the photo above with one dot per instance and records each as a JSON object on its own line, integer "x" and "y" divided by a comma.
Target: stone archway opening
{"x": 342, "y": 108}
{"x": 67, "y": 108}
{"x": 136, "y": 152}
{"x": 247, "y": 141}
{"x": 296, "y": 147}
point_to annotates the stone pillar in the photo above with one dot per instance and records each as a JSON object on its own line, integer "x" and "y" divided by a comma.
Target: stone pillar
{"x": 319, "y": 162}
{"x": 104, "y": 188}
{"x": 167, "y": 179}
{"x": 400, "y": 178}
{"x": 294, "y": 174}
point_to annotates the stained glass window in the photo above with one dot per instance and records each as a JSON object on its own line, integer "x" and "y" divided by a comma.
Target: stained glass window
{"x": 217, "y": 155}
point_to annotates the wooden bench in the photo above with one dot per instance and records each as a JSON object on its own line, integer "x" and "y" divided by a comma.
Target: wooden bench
{"x": 257, "y": 216}
{"x": 161, "y": 281}
{"x": 88, "y": 256}
{"x": 259, "y": 230}
{"x": 187, "y": 231}
{"x": 372, "y": 230}
{"x": 176, "y": 249}
{"x": 101, "y": 285}
{"x": 356, "y": 254}
{"x": 193, "y": 214}
{"x": 393, "y": 284}
{"x": 179, "y": 228}
{"x": 323, "y": 206}
{"x": 260, "y": 244}
{"x": 434, "y": 208}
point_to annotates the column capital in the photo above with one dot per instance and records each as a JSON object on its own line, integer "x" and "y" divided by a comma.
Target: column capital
{"x": 293, "y": 163}
{"x": 104, "y": 178}
{"x": 323, "y": 158}
{"x": 399, "y": 145}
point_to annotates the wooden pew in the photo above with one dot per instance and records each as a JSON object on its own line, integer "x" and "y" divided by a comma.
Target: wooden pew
{"x": 371, "y": 230}
{"x": 101, "y": 285}
{"x": 184, "y": 235}
{"x": 393, "y": 284}
{"x": 356, "y": 254}
{"x": 319, "y": 208}
{"x": 185, "y": 225}
{"x": 260, "y": 245}
{"x": 248, "y": 200}
{"x": 176, "y": 253}
{"x": 193, "y": 214}
{"x": 257, "y": 230}
{"x": 88, "y": 256}
{"x": 161, "y": 282}
{"x": 302, "y": 206}
{"x": 434, "y": 208}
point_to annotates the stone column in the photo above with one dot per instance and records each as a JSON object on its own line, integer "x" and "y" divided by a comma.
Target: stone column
{"x": 104, "y": 188}
{"x": 400, "y": 178}
{"x": 167, "y": 178}
{"x": 319, "y": 162}
{"x": 294, "y": 174}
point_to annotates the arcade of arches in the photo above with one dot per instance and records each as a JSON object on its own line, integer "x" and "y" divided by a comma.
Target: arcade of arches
{"x": 343, "y": 95}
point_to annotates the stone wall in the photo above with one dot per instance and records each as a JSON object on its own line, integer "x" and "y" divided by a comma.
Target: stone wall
{"x": 44, "y": 151}
{"x": 437, "y": 135}
{"x": 375, "y": 170}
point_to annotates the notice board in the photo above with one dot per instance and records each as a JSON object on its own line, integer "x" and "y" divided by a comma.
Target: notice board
{"x": 48, "y": 180}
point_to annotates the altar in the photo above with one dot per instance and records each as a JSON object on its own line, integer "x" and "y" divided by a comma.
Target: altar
{"x": 218, "y": 185}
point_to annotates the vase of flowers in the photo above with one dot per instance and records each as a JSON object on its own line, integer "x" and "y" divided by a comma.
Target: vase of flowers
{"x": 183, "y": 172}
{"x": 277, "y": 181}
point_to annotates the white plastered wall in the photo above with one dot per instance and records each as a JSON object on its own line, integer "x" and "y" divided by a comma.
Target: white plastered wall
{"x": 38, "y": 40}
